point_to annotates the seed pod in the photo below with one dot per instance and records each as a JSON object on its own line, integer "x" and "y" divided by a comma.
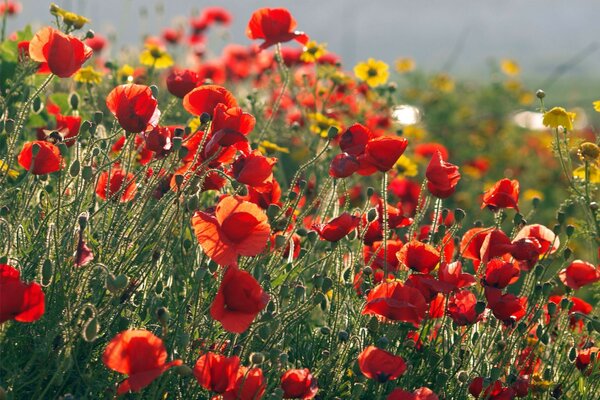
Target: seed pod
{"x": 75, "y": 168}
{"x": 9, "y": 125}
{"x": 183, "y": 370}
{"x": 332, "y": 132}
{"x": 74, "y": 100}
{"x": 459, "y": 215}
{"x": 37, "y": 106}
{"x": 90, "y": 330}
{"x": 154, "y": 90}
{"x": 87, "y": 173}
{"x": 47, "y": 272}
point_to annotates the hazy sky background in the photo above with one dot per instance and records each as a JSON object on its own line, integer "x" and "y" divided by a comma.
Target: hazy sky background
{"x": 540, "y": 34}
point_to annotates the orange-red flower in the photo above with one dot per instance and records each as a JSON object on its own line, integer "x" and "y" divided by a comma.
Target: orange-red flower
{"x": 237, "y": 228}
{"x": 507, "y": 307}
{"x": 500, "y": 273}
{"x": 181, "y": 81}
{"x": 461, "y": 308}
{"x": 47, "y": 160}
{"x": 23, "y": 302}
{"x": 380, "y": 365}
{"x": 442, "y": 177}
{"x": 249, "y": 385}
{"x": 396, "y": 302}
{"x": 204, "y": 99}
{"x": 338, "y": 227}
{"x": 216, "y": 372}
{"x": 134, "y": 106}
{"x": 418, "y": 256}
{"x": 421, "y": 393}
{"x": 579, "y": 273}
{"x": 254, "y": 169}
{"x": 274, "y": 25}
{"x": 298, "y": 384}
{"x": 238, "y": 301}
{"x": 504, "y": 194}
{"x": 140, "y": 355}
{"x": 114, "y": 181}
{"x": 64, "y": 54}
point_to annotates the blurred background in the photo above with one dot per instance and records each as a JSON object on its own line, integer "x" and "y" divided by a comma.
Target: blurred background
{"x": 555, "y": 42}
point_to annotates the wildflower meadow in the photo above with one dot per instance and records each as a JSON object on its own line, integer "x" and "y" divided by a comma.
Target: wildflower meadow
{"x": 268, "y": 222}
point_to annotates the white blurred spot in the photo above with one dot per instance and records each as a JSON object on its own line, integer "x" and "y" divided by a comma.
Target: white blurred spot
{"x": 406, "y": 114}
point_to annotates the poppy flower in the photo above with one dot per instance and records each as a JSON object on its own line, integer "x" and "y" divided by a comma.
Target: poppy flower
{"x": 23, "y": 302}
{"x": 83, "y": 255}
{"x": 238, "y": 301}
{"x": 584, "y": 358}
{"x": 114, "y": 181}
{"x": 337, "y": 228}
{"x": 204, "y": 99}
{"x": 374, "y": 254}
{"x": 138, "y": 354}
{"x": 380, "y": 365}
{"x": 418, "y": 256}
{"x": 504, "y": 194}
{"x": 578, "y": 274}
{"x": 421, "y": 393}
{"x": 181, "y": 81}
{"x": 134, "y": 106}
{"x": 500, "y": 273}
{"x": 254, "y": 169}
{"x": 159, "y": 141}
{"x": 298, "y": 384}
{"x": 579, "y": 307}
{"x": 97, "y": 43}
{"x": 507, "y": 307}
{"x": 442, "y": 177}
{"x": 274, "y": 25}
{"x": 67, "y": 127}
{"x": 397, "y": 302}
{"x": 47, "y": 160}
{"x": 237, "y": 228}
{"x": 343, "y": 165}
{"x": 461, "y": 308}
{"x": 453, "y": 275}
{"x": 233, "y": 119}
{"x": 64, "y": 54}
{"x": 383, "y": 152}
{"x": 548, "y": 240}
{"x": 216, "y": 372}
{"x": 249, "y": 385}
{"x": 484, "y": 244}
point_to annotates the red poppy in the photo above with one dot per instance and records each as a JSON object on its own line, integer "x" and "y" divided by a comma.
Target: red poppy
{"x": 500, "y": 273}
{"x": 452, "y": 274}
{"x": 493, "y": 391}
{"x": 548, "y": 240}
{"x": 383, "y": 152}
{"x": 63, "y": 53}
{"x": 249, "y": 385}
{"x": 216, "y": 372}
{"x": 380, "y": 365}
{"x": 67, "y": 126}
{"x": 504, "y": 194}
{"x": 159, "y": 141}
{"x": 584, "y": 359}
{"x": 254, "y": 169}
{"x": 237, "y": 228}
{"x": 238, "y": 301}
{"x": 397, "y": 302}
{"x": 298, "y": 384}
{"x": 461, "y": 308}
{"x": 373, "y": 255}
{"x": 18, "y": 300}
{"x": 134, "y": 106}
{"x": 181, "y": 81}
{"x": 234, "y": 119}
{"x": 83, "y": 255}
{"x": 269, "y": 194}
{"x": 507, "y": 307}
{"x": 114, "y": 181}
{"x": 204, "y": 99}
{"x": 142, "y": 154}
{"x": 421, "y": 393}
{"x": 579, "y": 273}
{"x": 429, "y": 150}
{"x": 484, "y": 244}
{"x": 343, "y": 165}
{"x": 138, "y": 354}
{"x": 337, "y": 228}
{"x": 274, "y": 25}
{"x": 442, "y": 177}
{"x": 47, "y": 160}
{"x": 97, "y": 43}
{"x": 10, "y": 8}
{"x": 418, "y": 256}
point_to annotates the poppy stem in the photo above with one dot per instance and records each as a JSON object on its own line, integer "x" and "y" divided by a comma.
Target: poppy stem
{"x": 384, "y": 184}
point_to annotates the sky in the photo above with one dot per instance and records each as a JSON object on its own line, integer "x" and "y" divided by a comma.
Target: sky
{"x": 459, "y": 36}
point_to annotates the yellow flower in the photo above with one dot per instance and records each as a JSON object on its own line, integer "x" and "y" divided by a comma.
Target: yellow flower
{"x": 526, "y": 98}
{"x": 313, "y": 51}
{"x": 155, "y": 56}
{"x": 320, "y": 124}
{"x": 414, "y": 131}
{"x": 125, "y": 73}
{"x": 538, "y": 384}
{"x": 88, "y": 75}
{"x": 531, "y": 194}
{"x": 588, "y": 151}
{"x": 267, "y": 147}
{"x": 593, "y": 173}
{"x": 558, "y": 116}
{"x": 510, "y": 67}
{"x": 372, "y": 72}
{"x": 194, "y": 124}
{"x": 443, "y": 83}
{"x": 405, "y": 64}
{"x": 596, "y": 105}
{"x": 406, "y": 166}
{"x": 69, "y": 18}
{"x": 11, "y": 172}
{"x": 512, "y": 85}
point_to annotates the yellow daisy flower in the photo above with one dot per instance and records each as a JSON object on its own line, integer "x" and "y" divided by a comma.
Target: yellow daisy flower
{"x": 442, "y": 82}
{"x": 405, "y": 64}
{"x": 372, "y": 72}
{"x": 594, "y": 173}
{"x": 313, "y": 51}
{"x": 155, "y": 56}
{"x": 531, "y": 194}
{"x": 267, "y": 147}
{"x": 70, "y": 18}
{"x": 88, "y": 75}
{"x": 510, "y": 67}
{"x": 320, "y": 124}
{"x": 558, "y": 116}
{"x": 406, "y": 167}
{"x": 596, "y": 105}
{"x": 125, "y": 73}
{"x": 11, "y": 172}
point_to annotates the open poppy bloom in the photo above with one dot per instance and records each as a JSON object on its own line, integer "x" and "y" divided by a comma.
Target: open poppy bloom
{"x": 504, "y": 194}
{"x": 216, "y": 372}
{"x": 397, "y": 302}
{"x": 274, "y": 25}
{"x": 237, "y": 228}
{"x": 249, "y": 385}
{"x": 453, "y": 275}
{"x": 500, "y": 273}
{"x": 546, "y": 238}
{"x": 181, "y": 81}
{"x": 47, "y": 160}
{"x": 254, "y": 169}
{"x": 63, "y": 53}
{"x": 418, "y": 256}
{"x": 337, "y": 228}
{"x": 421, "y": 393}
{"x": 20, "y": 301}
{"x": 442, "y": 177}
{"x": 298, "y": 384}
{"x": 461, "y": 308}
{"x": 114, "y": 181}
{"x": 204, "y": 99}
{"x": 380, "y": 365}
{"x": 507, "y": 307}
{"x": 578, "y": 274}
{"x": 140, "y": 355}
{"x": 238, "y": 301}
{"x": 134, "y": 106}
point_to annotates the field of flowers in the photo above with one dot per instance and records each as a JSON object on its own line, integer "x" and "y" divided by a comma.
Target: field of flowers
{"x": 270, "y": 223}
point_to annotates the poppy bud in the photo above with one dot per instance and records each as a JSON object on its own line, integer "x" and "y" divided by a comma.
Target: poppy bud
{"x": 480, "y": 307}
{"x": 570, "y": 230}
{"x": 37, "y": 105}
{"x": 163, "y": 315}
{"x": 82, "y": 220}
{"x": 372, "y": 215}
{"x": 343, "y": 336}
{"x": 556, "y": 229}
{"x": 325, "y": 330}
{"x": 87, "y": 173}
{"x": 204, "y": 118}
{"x": 46, "y": 272}
{"x": 9, "y": 125}
{"x": 273, "y": 210}
{"x": 300, "y": 231}
{"x": 560, "y": 217}
{"x": 299, "y": 291}
{"x": 90, "y": 330}
{"x": 74, "y": 169}
{"x": 551, "y": 308}
{"x": 463, "y": 376}
{"x": 517, "y": 218}
{"x": 535, "y": 202}
{"x": 370, "y": 191}
{"x": 459, "y": 215}
{"x": 567, "y": 253}
{"x": 382, "y": 342}
{"x": 312, "y": 236}
{"x": 74, "y": 100}
{"x": 367, "y": 271}
{"x": 183, "y": 370}
{"x": 522, "y": 327}
{"x": 332, "y": 132}
{"x": 327, "y": 284}
{"x": 547, "y": 288}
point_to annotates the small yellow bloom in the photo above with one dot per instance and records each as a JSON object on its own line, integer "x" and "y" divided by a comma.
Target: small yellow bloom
{"x": 125, "y": 73}
{"x": 372, "y": 72}
{"x": 155, "y": 56}
{"x": 538, "y": 384}
{"x": 404, "y": 65}
{"x": 596, "y": 105}
{"x": 313, "y": 51}
{"x": 531, "y": 194}
{"x": 267, "y": 147}
{"x": 558, "y": 116}
{"x": 443, "y": 83}
{"x": 68, "y": 17}
{"x": 195, "y": 124}
{"x": 593, "y": 173}
{"x": 414, "y": 132}
{"x": 512, "y": 85}
{"x": 526, "y": 98}
{"x": 406, "y": 167}
{"x": 320, "y": 124}
{"x": 510, "y": 67}
{"x": 11, "y": 172}
{"x": 88, "y": 75}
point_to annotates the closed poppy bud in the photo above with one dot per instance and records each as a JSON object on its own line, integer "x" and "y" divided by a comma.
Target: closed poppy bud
{"x": 504, "y": 194}
{"x": 64, "y": 54}
{"x": 337, "y": 228}
{"x": 19, "y": 301}
{"x": 116, "y": 181}
{"x": 343, "y": 165}
{"x": 442, "y": 177}
{"x": 578, "y": 274}
{"x": 134, "y": 106}
{"x": 298, "y": 384}
{"x": 380, "y": 365}
{"x": 274, "y": 25}
{"x": 44, "y": 156}
{"x": 181, "y": 81}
